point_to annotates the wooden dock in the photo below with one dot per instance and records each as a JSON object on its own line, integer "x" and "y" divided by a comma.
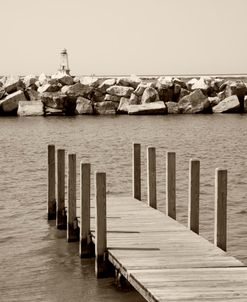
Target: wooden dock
{"x": 162, "y": 259}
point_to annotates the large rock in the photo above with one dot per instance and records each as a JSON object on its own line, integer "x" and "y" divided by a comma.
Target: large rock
{"x": 191, "y": 82}
{"x": 105, "y": 108}
{"x": 123, "y": 105}
{"x": 13, "y": 84}
{"x": 239, "y": 89}
{"x": 29, "y": 80}
{"x": 215, "y": 100}
{"x": 172, "y": 108}
{"x": 63, "y": 78}
{"x": 200, "y": 84}
{"x": 121, "y": 91}
{"x": 90, "y": 81}
{"x": 48, "y": 88}
{"x": 134, "y": 99}
{"x": 83, "y": 106}
{"x": 60, "y": 101}
{"x": 148, "y": 108}
{"x": 132, "y": 81}
{"x": 165, "y": 87}
{"x": 183, "y": 92}
{"x": 10, "y": 103}
{"x": 140, "y": 89}
{"x": 165, "y": 82}
{"x": 195, "y": 102}
{"x": 30, "y": 108}
{"x": 2, "y": 92}
{"x": 98, "y": 96}
{"x": 43, "y": 79}
{"x": 32, "y": 95}
{"x": 228, "y": 105}
{"x": 181, "y": 83}
{"x": 79, "y": 89}
{"x": 150, "y": 95}
{"x": 106, "y": 84}
{"x": 112, "y": 98}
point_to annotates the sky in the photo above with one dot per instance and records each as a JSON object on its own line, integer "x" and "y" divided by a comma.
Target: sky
{"x": 116, "y": 37}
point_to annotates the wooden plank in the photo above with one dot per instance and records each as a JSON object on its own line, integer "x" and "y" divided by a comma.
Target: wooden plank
{"x": 72, "y": 223}
{"x": 194, "y": 194}
{"x": 151, "y": 177}
{"x": 220, "y": 231}
{"x": 61, "y": 220}
{"x": 85, "y": 246}
{"x": 136, "y": 171}
{"x": 171, "y": 184}
{"x": 51, "y": 193}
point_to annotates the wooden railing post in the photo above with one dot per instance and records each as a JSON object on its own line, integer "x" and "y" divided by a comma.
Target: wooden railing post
{"x": 100, "y": 226}
{"x": 151, "y": 177}
{"x": 85, "y": 246}
{"x": 61, "y": 220}
{"x": 220, "y": 230}
{"x": 51, "y": 194}
{"x": 171, "y": 184}
{"x": 136, "y": 171}
{"x": 194, "y": 195}
{"x": 72, "y": 223}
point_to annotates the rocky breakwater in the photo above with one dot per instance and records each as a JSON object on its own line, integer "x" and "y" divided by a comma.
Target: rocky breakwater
{"x": 62, "y": 94}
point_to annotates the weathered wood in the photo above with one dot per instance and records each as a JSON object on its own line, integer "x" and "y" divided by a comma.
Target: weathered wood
{"x": 85, "y": 246}
{"x": 61, "y": 220}
{"x": 220, "y": 230}
{"x": 171, "y": 184}
{"x": 136, "y": 171}
{"x": 51, "y": 194}
{"x": 100, "y": 226}
{"x": 72, "y": 223}
{"x": 151, "y": 177}
{"x": 194, "y": 195}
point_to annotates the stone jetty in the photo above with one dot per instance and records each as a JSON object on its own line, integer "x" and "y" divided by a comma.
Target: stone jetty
{"x": 62, "y": 94}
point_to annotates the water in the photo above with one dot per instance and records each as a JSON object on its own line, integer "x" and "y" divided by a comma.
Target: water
{"x": 36, "y": 263}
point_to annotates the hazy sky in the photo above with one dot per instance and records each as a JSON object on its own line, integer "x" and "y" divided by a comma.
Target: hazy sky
{"x": 124, "y": 37}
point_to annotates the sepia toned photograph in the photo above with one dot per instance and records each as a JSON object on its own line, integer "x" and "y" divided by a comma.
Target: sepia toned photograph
{"x": 123, "y": 163}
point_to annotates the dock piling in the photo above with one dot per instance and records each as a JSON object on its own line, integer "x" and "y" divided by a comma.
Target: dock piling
{"x": 136, "y": 170}
{"x": 171, "y": 184}
{"x": 85, "y": 246}
{"x": 61, "y": 220}
{"x": 100, "y": 226}
{"x": 220, "y": 229}
{"x": 72, "y": 224}
{"x": 51, "y": 194}
{"x": 151, "y": 177}
{"x": 194, "y": 195}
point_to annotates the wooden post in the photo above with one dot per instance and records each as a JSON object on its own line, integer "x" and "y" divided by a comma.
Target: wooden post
{"x": 220, "y": 230}
{"x": 51, "y": 198}
{"x": 72, "y": 223}
{"x": 136, "y": 171}
{"x": 61, "y": 214}
{"x": 151, "y": 177}
{"x": 100, "y": 226}
{"x": 171, "y": 184}
{"x": 85, "y": 246}
{"x": 194, "y": 194}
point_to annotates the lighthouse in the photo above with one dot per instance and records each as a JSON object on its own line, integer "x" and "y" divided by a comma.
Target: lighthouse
{"x": 64, "y": 62}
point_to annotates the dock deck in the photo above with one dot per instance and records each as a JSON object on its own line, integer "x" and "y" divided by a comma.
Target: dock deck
{"x": 165, "y": 261}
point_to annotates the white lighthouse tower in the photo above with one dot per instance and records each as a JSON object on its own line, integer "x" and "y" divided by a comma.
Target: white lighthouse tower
{"x": 64, "y": 62}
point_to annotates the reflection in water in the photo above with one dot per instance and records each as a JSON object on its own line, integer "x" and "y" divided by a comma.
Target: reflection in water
{"x": 36, "y": 262}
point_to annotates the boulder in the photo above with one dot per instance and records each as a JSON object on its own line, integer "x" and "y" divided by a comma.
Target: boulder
{"x": 181, "y": 83}
{"x": 90, "y": 81}
{"x": 13, "y": 84}
{"x": 29, "y": 80}
{"x": 164, "y": 82}
{"x": 140, "y": 89}
{"x": 79, "y": 89}
{"x": 132, "y": 81}
{"x": 43, "y": 79}
{"x": 30, "y": 108}
{"x": 195, "y": 102}
{"x": 48, "y": 88}
{"x": 106, "y": 84}
{"x": 83, "y": 106}
{"x": 112, "y": 98}
{"x": 2, "y": 81}
{"x": 121, "y": 91}
{"x": 148, "y": 108}
{"x": 123, "y": 105}
{"x": 150, "y": 95}
{"x": 10, "y": 103}
{"x": 134, "y": 99}
{"x": 165, "y": 89}
{"x": 200, "y": 84}
{"x": 53, "y": 112}
{"x": 63, "y": 78}
{"x": 60, "y": 101}
{"x": 229, "y": 105}
{"x": 2, "y": 92}
{"x": 76, "y": 79}
{"x": 172, "y": 108}
{"x": 105, "y": 108}
{"x": 64, "y": 89}
{"x": 191, "y": 82}
{"x": 239, "y": 89}
{"x": 32, "y": 95}
{"x": 183, "y": 92}
{"x": 215, "y": 100}
{"x": 98, "y": 96}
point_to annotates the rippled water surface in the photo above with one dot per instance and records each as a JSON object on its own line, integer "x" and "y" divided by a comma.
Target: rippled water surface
{"x": 36, "y": 263}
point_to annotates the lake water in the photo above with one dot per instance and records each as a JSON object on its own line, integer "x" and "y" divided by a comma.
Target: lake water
{"x": 36, "y": 263}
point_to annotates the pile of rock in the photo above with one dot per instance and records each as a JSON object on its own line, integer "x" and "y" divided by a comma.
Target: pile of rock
{"x": 62, "y": 94}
